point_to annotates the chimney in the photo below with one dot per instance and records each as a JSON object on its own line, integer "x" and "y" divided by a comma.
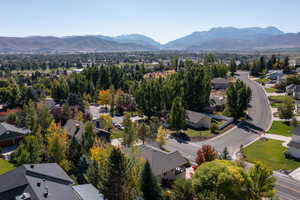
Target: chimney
{"x": 77, "y": 128}
{"x": 46, "y": 193}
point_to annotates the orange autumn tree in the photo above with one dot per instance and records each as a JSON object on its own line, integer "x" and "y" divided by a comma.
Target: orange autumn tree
{"x": 103, "y": 97}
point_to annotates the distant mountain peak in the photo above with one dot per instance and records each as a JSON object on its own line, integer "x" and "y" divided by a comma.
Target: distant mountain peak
{"x": 223, "y": 33}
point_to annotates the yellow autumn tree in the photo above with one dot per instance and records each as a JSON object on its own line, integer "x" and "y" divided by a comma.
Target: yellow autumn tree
{"x": 161, "y": 137}
{"x": 57, "y": 141}
{"x": 100, "y": 153}
{"x": 103, "y": 97}
{"x": 106, "y": 121}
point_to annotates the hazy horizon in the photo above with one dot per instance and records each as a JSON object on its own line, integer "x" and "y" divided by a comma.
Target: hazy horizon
{"x": 163, "y": 21}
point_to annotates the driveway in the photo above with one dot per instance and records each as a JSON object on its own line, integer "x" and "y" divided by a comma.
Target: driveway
{"x": 259, "y": 119}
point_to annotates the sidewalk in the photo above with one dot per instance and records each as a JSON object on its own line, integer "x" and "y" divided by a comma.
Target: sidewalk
{"x": 285, "y": 139}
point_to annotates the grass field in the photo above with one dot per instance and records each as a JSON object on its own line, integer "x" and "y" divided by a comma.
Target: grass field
{"x": 277, "y": 101}
{"x": 116, "y": 133}
{"x": 270, "y": 153}
{"x": 263, "y": 80}
{"x": 5, "y": 166}
{"x": 281, "y": 128}
{"x": 271, "y": 90}
{"x": 193, "y": 133}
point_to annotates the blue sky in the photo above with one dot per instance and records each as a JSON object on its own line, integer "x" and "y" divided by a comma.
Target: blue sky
{"x": 163, "y": 20}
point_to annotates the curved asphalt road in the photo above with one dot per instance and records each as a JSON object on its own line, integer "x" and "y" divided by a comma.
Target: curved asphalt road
{"x": 260, "y": 118}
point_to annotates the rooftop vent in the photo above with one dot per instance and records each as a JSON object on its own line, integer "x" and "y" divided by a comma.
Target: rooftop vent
{"x": 24, "y": 196}
{"x": 31, "y": 166}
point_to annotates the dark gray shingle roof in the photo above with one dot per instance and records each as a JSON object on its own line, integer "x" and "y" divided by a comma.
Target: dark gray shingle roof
{"x": 161, "y": 161}
{"x": 25, "y": 179}
{"x": 297, "y": 88}
{"x": 294, "y": 144}
{"x": 194, "y": 117}
{"x": 74, "y": 128}
{"x": 5, "y": 127}
{"x": 296, "y": 130}
{"x": 220, "y": 81}
{"x": 88, "y": 192}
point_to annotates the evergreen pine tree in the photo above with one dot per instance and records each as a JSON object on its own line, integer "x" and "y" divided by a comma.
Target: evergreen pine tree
{"x": 117, "y": 176}
{"x": 149, "y": 186}
{"x": 88, "y": 137}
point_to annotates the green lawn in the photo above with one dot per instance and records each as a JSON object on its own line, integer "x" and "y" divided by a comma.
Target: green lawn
{"x": 281, "y": 128}
{"x": 193, "y": 133}
{"x": 276, "y": 101}
{"x": 271, "y": 90}
{"x": 271, "y": 153}
{"x": 116, "y": 133}
{"x": 263, "y": 80}
{"x": 5, "y": 166}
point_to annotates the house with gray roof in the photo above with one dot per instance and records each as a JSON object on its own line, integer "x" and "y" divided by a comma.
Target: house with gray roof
{"x": 220, "y": 83}
{"x": 294, "y": 90}
{"x": 164, "y": 165}
{"x": 197, "y": 120}
{"x": 75, "y": 128}
{"x": 88, "y": 192}
{"x": 10, "y": 134}
{"x": 294, "y": 144}
{"x": 46, "y": 181}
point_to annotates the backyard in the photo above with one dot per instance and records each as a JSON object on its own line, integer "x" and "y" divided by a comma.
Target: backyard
{"x": 5, "y": 166}
{"x": 281, "y": 128}
{"x": 271, "y": 153}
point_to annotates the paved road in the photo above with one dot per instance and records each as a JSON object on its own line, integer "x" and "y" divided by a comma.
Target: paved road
{"x": 260, "y": 112}
{"x": 259, "y": 119}
{"x": 286, "y": 187}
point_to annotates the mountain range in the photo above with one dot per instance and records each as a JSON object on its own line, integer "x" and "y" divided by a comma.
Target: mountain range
{"x": 216, "y": 39}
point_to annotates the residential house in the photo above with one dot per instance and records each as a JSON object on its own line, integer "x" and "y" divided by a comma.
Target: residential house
{"x": 42, "y": 182}
{"x": 76, "y": 128}
{"x": 10, "y": 134}
{"x": 217, "y": 102}
{"x": 275, "y": 75}
{"x": 88, "y": 192}
{"x": 50, "y": 103}
{"x": 197, "y": 120}
{"x": 294, "y": 90}
{"x": 220, "y": 83}
{"x": 164, "y": 165}
{"x": 289, "y": 90}
{"x": 294, "y": 144}
{"x": 95, "y": 111}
